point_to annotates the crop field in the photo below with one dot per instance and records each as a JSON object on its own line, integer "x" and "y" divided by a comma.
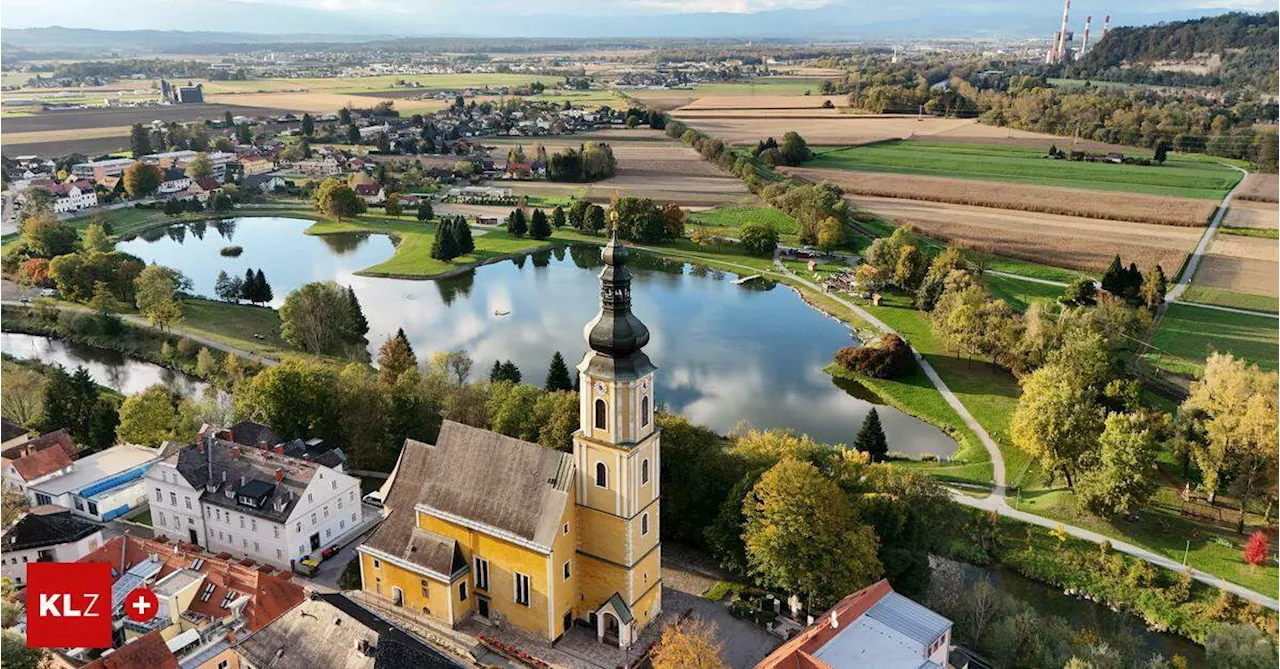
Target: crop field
{"x": 1044, "y": 199}
{"x": 1070, "y": 242}
{"x": 1241, "y": 264}
{"x": 1179, "y": 177}
{"x": 126, "y": 116}
{"x": 1227, "y": 298}
{"x": 321, "y": 101}
{"x": 764, "y": 102}
{"x": 358, "y": 85}
{"x": 1188, "y": 334}
{"x": 749, "y": 127}
{"x": 1260, "y": 188}
{"x": 1252, "y": 214}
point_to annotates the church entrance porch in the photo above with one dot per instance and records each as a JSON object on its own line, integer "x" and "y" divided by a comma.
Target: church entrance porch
{"x": 614, "y": 623}
{"x": 612, "y": 631}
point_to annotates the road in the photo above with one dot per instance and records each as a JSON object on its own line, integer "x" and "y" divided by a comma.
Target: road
{"x": 998, "y": 501}
{"x": 1194, "y": 262}
{"x": 10, "y": 300}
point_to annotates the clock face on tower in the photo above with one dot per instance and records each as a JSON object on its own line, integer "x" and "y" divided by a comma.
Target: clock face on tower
{"x": 599, "y": 386}
{"x": 644, "y": 384}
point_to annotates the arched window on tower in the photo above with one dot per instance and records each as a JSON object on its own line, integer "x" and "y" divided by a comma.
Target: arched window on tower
{"x": 602, "y": 475}
{"x": 602, "y": 415}
{"x": 644, "y": 411}
{"x": 644, "y": 471}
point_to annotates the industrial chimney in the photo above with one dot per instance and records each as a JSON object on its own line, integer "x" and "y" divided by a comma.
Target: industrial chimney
{"x": 1106, "y": 24}
{"x": 1060, "y": 52}
{"x": 1084, "y": 46}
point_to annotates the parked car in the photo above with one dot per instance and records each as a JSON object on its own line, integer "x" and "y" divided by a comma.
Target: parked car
{"x": 329, "y": 552}
{"x": 307, "y": 566}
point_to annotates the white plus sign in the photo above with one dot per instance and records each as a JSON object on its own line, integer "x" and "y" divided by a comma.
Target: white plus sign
{"x": 141, "y": 606}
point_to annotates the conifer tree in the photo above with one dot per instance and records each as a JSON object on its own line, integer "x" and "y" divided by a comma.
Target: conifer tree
{"x": 495, "y": 374}
{"x": 539, "y": 228}
{"x": 462, "y": 236}
{"x": 516, "y": 223}
{"x": 394, "y": 358}
{"x": 264, "y": 289}
{"x": 558, "y": 375}
{"x": 557, "y": 216}
{"x": 359, "y": 324}
{"x": 1113, "y": 280}
{"x": 249, "y": 288}
{"x": 871, "y": 439}
{"x": 444, "y": 247}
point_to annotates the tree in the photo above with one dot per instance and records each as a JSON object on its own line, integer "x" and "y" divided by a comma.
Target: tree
{"x": 141, "y": 180}
{"x": 935, "y": 280}
{"x": 13, "y": 647}
{"x": 830, "y": 234}
{"x": 445, "y": 246}
{"x": 200, "y": 166}
{"x": 393, "y": 206}
{"x": 358, "y": 323}
{"x": 1239, "y": 646}
{"x": 557, "y": 217}
{"x": 395, "y": 356}
{"x": 228, "y": 288}
{"x": 156, "y": 296}
{"x": 758, "y": 239}
{"x": 1057, "y": 420}
{"x": 794, "y": 150}
{"x": 308, "y": 125}
{"x": 802, "y": 536}
{"x": 516, "y": 224}
{"x": 205, "y": 364}
{"x": 558, "y": 374}
{"x": 505, "y": 371}
{"x": 139, "y": 141}
{"x": 297, "y": 398}
{"x": 425, "y": 212}
{"x": 249, "y": 290}
{"x": 337, "y": 199}
{"x": 353, "y": 135}
{"x": 1161, "y": 151}
{"x": 1124, "y": 477}
{"x": 147, "y": 418}
{"x": 317, "y": 318}
{"x": 462, "y": 235}
{"x": 1153, "y": 288}
{"x": 577, "y": 216}
{"x": 263, "y": 291}
{"x": 871, "y": 439}
{"x": 539, "y": 228}
{"x": 690, "y": 643}
{"x": 453, "y": 364}
{"x": 344, "y": 116}
{"x": 22, "y": 397}
{"x": 1081, "y": 293}
{"x": 12, "y": 505}
{"x": 595, "y": 219}
{"x": 910, "y": 269}
{"x": 96, "y": 239}
{"x": 1255, "y": 552}
{"x": 1114, "y": 280}
{"x": 47, "y": 237}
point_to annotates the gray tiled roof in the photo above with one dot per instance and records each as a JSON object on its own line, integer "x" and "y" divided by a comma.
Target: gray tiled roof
{"x": 909, "y": 618}
{"x": 221, "y": 464}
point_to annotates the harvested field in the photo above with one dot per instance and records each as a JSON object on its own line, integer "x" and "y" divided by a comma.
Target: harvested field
{"x": 835, "y": 130}
{"x": 317, "y": 101}
{"x": 70, "y": 134}
{"x": 1063, "y": 241}
{"x": 1260, "y": 188}
{"x": 764, "y": 102}
{"x": 659, "y": 98}
{"x": 89, "y": 147}
{"x": 1252, "y": 214}
{"x": 1043, "y": 199}
{"x": 126, "y": 116}
{"x": 1241, "y": 264}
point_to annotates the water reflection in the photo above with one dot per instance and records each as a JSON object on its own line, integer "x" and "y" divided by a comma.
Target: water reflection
{"x": 107, "y": 367}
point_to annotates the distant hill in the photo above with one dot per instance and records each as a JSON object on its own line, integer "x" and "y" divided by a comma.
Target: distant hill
{"x": 1234, "y": 50}
{"x": 75, "y": 40}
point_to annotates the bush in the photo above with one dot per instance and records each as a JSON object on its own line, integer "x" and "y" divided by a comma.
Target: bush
{"x": 884, "y": 359}
{"x": 232, "y": 251}
{"x": 759, "y": 239}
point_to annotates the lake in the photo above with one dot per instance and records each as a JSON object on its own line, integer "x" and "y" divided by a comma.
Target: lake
{"x": 727, "y": 354}
{"x": 108, "y": 368}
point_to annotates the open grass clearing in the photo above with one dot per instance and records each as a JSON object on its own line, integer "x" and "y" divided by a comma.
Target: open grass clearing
{"x": 1019, "y": 293}
{"x": 1069, "y": 242}
{"x": 1228, "y": 298}
{"x": 1179, "y": 177}
{"x": 1188, "y": 334}
{"x": 1106, "y": 205}
{"x": 1241, "y": 264}
{"x": 237, "y": 325}
{"x": 730, "y": 218}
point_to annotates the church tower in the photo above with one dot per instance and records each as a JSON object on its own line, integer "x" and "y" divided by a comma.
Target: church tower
{"x": 617, "y": 456}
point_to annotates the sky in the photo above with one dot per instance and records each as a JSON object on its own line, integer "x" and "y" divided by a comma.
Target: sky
{"x": 601, "y": 18}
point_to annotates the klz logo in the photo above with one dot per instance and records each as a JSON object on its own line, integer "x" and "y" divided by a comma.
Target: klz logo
{"x": 69, "y": 605}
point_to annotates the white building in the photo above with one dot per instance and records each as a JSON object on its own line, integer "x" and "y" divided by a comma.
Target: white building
{"x": 102, "y": 486}
{"x": 74, "y": 197}
{"x": 45, "y": 534}
{"x": 33, "y": 460}
{"x": 251, "y": 502}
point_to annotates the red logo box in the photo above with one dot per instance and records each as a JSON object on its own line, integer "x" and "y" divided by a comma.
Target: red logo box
{"x": 68, "y": 605}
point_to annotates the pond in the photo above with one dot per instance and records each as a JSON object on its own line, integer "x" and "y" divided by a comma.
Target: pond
{"x": 1081, "y": 614}
{"x": 727, "y": 354}
{"x": 108, "y": 368}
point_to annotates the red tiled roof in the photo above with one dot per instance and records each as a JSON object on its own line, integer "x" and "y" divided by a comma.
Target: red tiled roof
{"x": 206, "y": 183}
{"x": 270, "y": 595}
{"x": 149, "y": 650}
{"x": 367, "y": 189}
{"x": 798, "y": 653}
{"x": 41, "y": 456}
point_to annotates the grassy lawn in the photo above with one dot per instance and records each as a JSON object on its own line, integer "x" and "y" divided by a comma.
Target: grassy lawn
{"x": 1019, "y": 293}
{"x": 1228, "y": 298}
{"x": 728, "y": 219}
{"x": 1179, "y": 176}
{"x": 235, "y": 325}
{"x": 1162, "y": 529}
{"x": 142, "y": 518}
{"x": 1187, "y": 334}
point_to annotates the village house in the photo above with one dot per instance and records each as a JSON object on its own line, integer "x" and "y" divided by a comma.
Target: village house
{"x": 34, "y": 460}
{"x": 11, "y": 433}
{"x": 489, "y": 527}
{"x": 874, "y": 622}
{"x": 73, "y": 196}
{"x": 319, "y": 166}
{"x": 253, "y": 502}
{"x": 101, "y": 169}
{"x": 45, "y": 534}
{"x": 173, "y": 181}
{"x": 372, "y": 194}
{"x": 203, "y": 188}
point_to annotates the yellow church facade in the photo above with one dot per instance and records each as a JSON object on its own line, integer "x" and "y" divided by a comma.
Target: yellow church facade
{"x": 486, "y": 527}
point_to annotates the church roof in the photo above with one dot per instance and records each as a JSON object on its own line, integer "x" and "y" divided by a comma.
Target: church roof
{"x": 507, "y": 487}
{"x": 398, "y": 535}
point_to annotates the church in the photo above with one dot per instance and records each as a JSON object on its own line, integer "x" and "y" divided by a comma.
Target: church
{"x": 485, "y": 526}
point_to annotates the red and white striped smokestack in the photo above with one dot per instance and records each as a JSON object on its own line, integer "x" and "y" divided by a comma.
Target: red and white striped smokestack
{"x": 1106, "y": 25}
{"x": 1060, "y": 51}
{"x": 1084, "y": 46}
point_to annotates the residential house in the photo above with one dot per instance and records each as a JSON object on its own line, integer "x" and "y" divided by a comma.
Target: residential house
{"x": 252, "y": 502}
{"x": 45, "y": 534}
{"x": 319, "y": 166}
{"x": 207, "y": 601}
{"x": 102, "y": 486}
{"x": 149, "y": 650}
{"x": 334, "y": 632}
{"x": 485, "y": 526}
{"x": 266, "y": 183}
{"x": 874, "y": 625}
{"x": 203, "y": 188}
{"x": 174, "y": 181}
{"x": 73, "y": 196}
{"x": 36, "y": 459}
{"x": 371, "y": 193}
